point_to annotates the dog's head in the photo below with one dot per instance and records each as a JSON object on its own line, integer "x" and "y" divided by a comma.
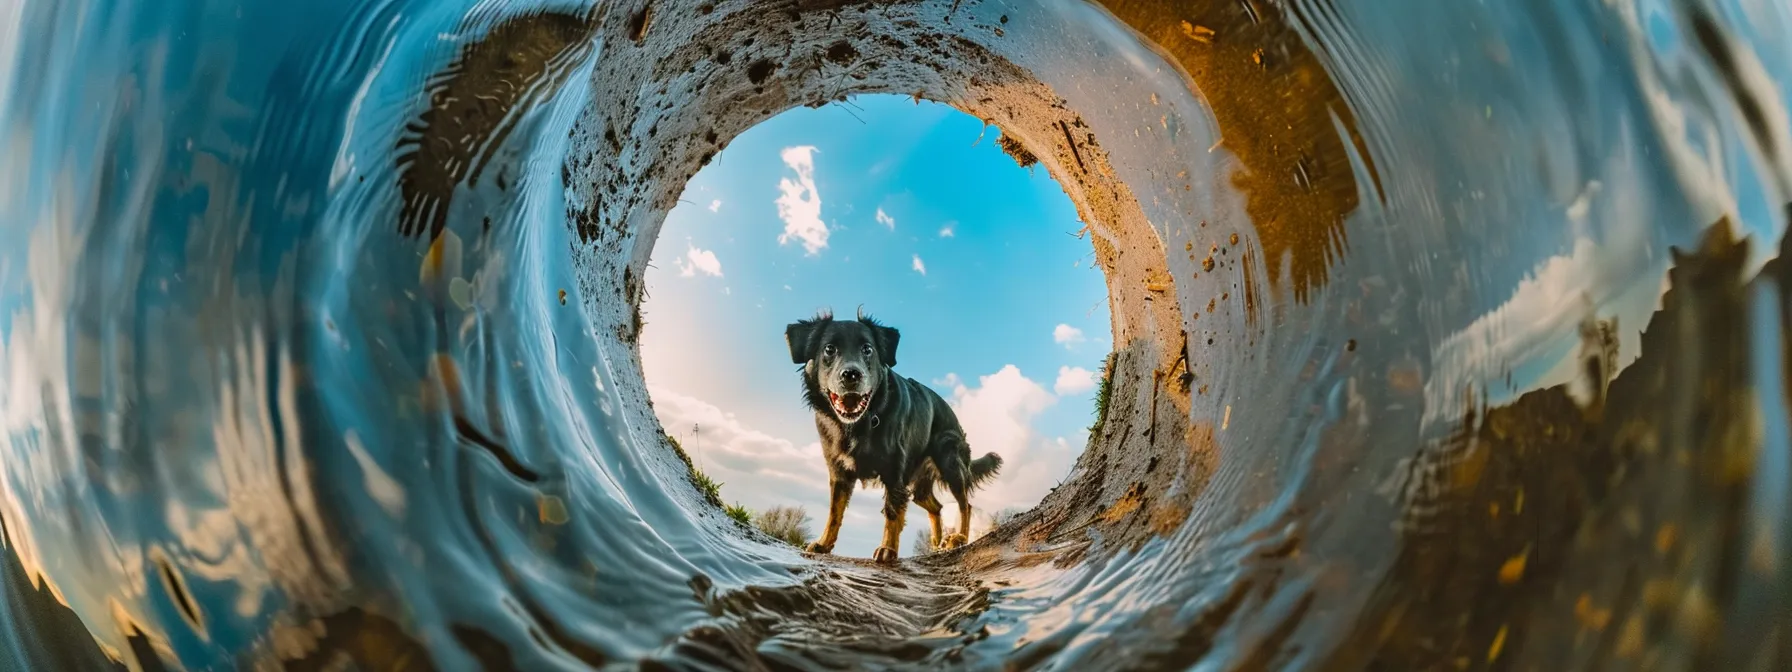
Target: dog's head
{"x": 845, "y": 362}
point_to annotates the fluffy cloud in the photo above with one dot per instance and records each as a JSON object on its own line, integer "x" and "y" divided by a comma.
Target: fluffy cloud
{"x": 949, "y": 230}
{"x": 755, "y": 468}
{"x": 918, "y": 266}
{"x": 998, "y": 417}
{"x": 715, "y": 205}
{"x": 998, "y": 414}
{"x": 1074, "y": 380}
{"x": 1537, "y": 324}
{"x": 1067, "y": 335}
{"x": 760, "y": 471}
{"x": 885, "y": 219}
{"x": 799, "y": 204}
{"x": 699, "y": 261}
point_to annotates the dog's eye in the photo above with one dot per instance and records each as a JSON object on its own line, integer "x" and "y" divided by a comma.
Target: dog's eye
{"x": 828, "y": 350}
{"x": 865, "y": 349}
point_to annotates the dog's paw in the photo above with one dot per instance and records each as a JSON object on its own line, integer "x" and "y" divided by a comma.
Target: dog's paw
{"x": 819, "y": 547}
{"x": 953, "y": 541}
{"x": 884, "y": 555}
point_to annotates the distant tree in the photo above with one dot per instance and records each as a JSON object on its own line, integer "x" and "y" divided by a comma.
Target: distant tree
{"x": 923, "y": 540}
{"x": 1003, "y": 516}
{"x": 789, "y": 524}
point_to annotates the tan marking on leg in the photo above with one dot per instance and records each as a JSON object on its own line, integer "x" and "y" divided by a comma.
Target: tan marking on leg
{"x": 840, "y": 495}
{"x": 892, "y": 536}
{"x": 962, "y": 535}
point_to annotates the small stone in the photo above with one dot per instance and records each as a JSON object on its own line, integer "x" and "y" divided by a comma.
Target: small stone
{"x": 551, "y": 509}
{"x": 461, "y": 292}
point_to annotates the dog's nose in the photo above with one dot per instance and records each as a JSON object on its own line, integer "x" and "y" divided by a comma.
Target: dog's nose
{"x": 852, "y": 375}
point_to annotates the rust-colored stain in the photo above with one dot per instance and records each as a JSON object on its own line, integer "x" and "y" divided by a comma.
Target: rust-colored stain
{"x": 1499, "y": 643}
{"x": 1467, "y": 473}
{"x": 1513, "y": 570}
{"x": 440, "y": 390}
{"x": 1664, "y": 538}
{"x": 1406, "y": 378}
{"x": 1127, "y": 504}
{"x": 550, "y": 509}
{"x": 1168, "y": 518}
{"x": 1591, "y": 617}
{"x": 1274, "y": 103}
{"x": 1201, "y": 34}
{"x": 1631, "y": 640}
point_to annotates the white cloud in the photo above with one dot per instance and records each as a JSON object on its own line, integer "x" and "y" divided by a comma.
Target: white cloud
{"x": 950, "y": 381}
{"x": 715, "y": 205}
{"x": 699, "y": 260}
{"x": 885, "y": 219}
{"x": 799, "y": 203}
{"x": 1539, "y": 319}
{"x": 755, "y": 468}
{"x": 998, "y": 417}
{"x": 918, "y": 266}
{"x": 998, "y": 414}
{"x": 1074, "y": 380}
{"x": 949, "y": 230}
{"x": 1067, "y": 335}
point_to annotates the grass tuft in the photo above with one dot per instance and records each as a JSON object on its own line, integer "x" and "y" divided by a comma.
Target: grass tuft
{"x": 712, "y": 490}
{"x": 1103, "y": 392}
{"x": 740, "y": 514}
{"x": 789, "y": 524}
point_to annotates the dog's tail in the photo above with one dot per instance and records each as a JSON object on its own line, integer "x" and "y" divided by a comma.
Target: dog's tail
{"x": 984, "y": 468}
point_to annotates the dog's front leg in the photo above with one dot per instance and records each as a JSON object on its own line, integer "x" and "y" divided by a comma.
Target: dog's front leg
{"x": 840, "y": 493}
{"x": 895, "y": 515}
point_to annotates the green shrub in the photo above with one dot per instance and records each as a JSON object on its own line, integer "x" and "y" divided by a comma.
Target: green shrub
{"x": 789, "y": 524}
{"x": 1103, "y": 392}
{"x": 711, "y": 490}
{"x": 740, "y": 514}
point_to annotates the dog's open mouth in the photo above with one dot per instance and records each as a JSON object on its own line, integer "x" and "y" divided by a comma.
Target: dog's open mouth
{"x": 850, "y": 406}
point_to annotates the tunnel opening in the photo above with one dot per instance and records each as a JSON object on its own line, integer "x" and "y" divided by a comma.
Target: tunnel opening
{"x": 644, "y": 148}
{"x": 914, "y": 213}
{"x": 648, "y": 148}
{"x": 702, "y": 79}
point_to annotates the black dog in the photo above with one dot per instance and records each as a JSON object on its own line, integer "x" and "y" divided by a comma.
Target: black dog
{"x": 880, "y": 427}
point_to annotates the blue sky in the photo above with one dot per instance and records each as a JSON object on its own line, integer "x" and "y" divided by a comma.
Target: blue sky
{"x": 898, "y": 207}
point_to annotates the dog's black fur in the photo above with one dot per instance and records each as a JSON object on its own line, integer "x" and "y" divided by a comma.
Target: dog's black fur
{"x": 878, "y": 427}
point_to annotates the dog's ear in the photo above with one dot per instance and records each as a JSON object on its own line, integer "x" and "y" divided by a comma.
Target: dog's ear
{"x": 885, "y": 339}
{"x": 800, "y": 336}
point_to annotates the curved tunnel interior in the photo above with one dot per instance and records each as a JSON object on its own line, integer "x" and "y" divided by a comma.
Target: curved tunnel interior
{"x": 1414, "y": 366}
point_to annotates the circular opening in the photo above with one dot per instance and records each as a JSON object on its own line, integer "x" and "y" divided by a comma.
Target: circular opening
{"x": 912, "y": 211}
